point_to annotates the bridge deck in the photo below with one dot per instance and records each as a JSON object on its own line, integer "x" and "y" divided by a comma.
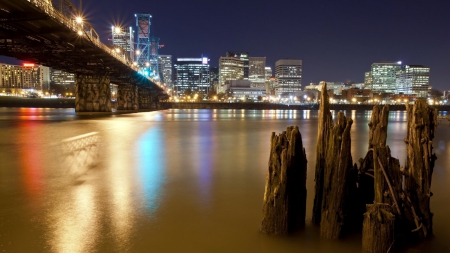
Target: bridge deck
{"x": 46, "y": 32}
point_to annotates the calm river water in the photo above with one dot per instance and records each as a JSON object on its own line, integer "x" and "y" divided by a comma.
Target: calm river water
{"x": 169, "y": 181}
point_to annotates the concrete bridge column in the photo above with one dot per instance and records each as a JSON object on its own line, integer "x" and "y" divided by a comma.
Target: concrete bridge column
{"x": 127, "y": 97}
{"x": 92, "y": 93}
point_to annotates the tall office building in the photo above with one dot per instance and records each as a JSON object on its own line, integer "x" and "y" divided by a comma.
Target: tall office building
{"x": 62, "y": 78}
{"x": 368, "y": 80}
{"x": 384, "y": 76}
{"x": 413, "y": 79}
{"x": 245, "y": 59}
{"x": 192, "y": 73}
{"x": 214, "y": 78}
{"x": 165, "y": 69}
{"x": 230, "y": 68}
{"x": 268, "y": 73}
{"x": 288, "y": 75}
{"x": 256, "y": 72}
{"x": 124, "y": 38}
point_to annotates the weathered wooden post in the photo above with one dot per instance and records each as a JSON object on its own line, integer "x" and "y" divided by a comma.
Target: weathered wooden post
{"x": 284, "y": 206}
{"x": 379, "y": 219}
{"x": 325, "y": 126}
{"x": 422, "y": 123}
{"x": 337, "y": 178}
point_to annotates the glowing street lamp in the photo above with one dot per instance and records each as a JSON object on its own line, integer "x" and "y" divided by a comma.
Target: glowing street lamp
{"x": 138, "y": 52}
{"x": 147, "y": 64}
{"x": 80, "y": 33}
{"x": 118, "y": 50}
{"x": 79, "y": 20}
{"x": 117, "y": 29}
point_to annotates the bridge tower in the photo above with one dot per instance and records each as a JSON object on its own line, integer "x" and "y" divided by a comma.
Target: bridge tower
{"x": 143, "y": 22}
{"x": 154, "y": 55}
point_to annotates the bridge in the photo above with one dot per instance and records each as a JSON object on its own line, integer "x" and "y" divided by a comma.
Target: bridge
{"x": 53, "y": 33}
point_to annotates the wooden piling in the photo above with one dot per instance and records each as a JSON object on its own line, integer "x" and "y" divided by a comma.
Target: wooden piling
{"x": 337, "y": 173}
{"x": 325, "y": 126}
{"x": 284, "y": 206}
{"x": 422, "y": 123}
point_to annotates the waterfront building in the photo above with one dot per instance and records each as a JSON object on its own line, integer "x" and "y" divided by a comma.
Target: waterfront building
{"x": 60, "y": 77}
{"x": 368, "y": 79}
{"x": 214, "y": 78}
{"x": 268, "y": 73}
{"x": 19, "y": 79}
{"x": 257, "y": 72}
{"x": 288, "y": 75}
{"x": 165, "y": 69}
{"x": 413, "y": 79}
{"x": 384, "y": 76}
{"x": 193, "y": 74}
{"x": 123, "y": 38}
{"x": 230, "y": 68}
{"x": 242, "y": 89}
{"x": 243, "y": 56}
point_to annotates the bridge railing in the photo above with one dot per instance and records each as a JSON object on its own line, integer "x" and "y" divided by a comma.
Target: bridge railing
{"x": 65, "y": 12}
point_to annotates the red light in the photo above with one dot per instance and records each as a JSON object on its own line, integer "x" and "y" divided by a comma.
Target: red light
{"x": 28, "y": 65}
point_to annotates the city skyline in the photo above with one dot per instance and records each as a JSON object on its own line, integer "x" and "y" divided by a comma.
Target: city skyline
{"x": 335, "y": 40}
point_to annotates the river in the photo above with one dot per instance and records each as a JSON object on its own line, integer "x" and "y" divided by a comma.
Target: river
{"x": 170, "y": 181}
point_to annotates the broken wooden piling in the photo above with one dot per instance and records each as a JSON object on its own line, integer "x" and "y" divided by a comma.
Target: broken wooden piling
{"x": 337, "y": 178}
{"x": 325, "y": 125}
{"x": 422, "y": 123}
{"x": 284, "y": 206}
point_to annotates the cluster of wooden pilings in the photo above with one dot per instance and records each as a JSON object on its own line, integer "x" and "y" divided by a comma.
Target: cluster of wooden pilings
{"x": 379, "y": 197}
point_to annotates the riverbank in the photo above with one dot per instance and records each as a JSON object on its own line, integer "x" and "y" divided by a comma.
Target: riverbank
{"x": 272, "y": 106}
{"x": 70, "y": 103}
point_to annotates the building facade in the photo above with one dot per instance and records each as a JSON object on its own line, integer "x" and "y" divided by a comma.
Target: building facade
{"x": 256, "y": 71}
{"x": 165, "y": 69}
{"x": 243, "y": 56}
{"x": 17, "y": 79}
{"x": 193, "y": 74}
{"x": 413, "y": 79}
{"x": 230, "y": 68}
{"x": 288, "y": 75}
{"x": 123, "y": 38}
{"x": 384, "y": 76}
{"x": 60, "y": 77}
{"x": 214, "y": 78}
{"x": 368, "y": 80}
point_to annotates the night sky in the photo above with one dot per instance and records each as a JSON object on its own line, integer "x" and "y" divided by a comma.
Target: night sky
{"x": 337, "y": 40}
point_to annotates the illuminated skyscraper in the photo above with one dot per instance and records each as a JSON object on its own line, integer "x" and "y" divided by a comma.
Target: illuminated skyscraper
{"x": 257, "y": 74}
{"x": 413, "y": 79}
{"x": 230, "y": 68}
{"x": 288, "y": 74}
{"x": 193, "y": 74}
{"x": 165, "y": 69}
{"x": 368, "y": 80}
{"x": 243, "y": 56}
{"x": 124, "y": 39}
{"x": 384, "y": 76}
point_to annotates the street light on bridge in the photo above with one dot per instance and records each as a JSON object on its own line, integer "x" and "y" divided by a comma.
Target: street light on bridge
{"x": 79, "y": 20}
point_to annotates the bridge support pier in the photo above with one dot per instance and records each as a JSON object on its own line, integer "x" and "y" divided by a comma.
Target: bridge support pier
{"x": 92, "y": 93}
{"x": 127, "y": 97}
{"x": 145, "y": 99}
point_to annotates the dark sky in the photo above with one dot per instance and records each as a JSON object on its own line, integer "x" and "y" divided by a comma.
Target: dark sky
{"x": 337, "y": 40}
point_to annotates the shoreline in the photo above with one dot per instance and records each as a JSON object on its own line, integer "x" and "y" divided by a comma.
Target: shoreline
{"x": 70, "y": 103}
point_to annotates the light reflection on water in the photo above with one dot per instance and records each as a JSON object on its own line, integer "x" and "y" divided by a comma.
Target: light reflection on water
{"x": 151, "y": 162}
{"x": 174, "y": 181}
